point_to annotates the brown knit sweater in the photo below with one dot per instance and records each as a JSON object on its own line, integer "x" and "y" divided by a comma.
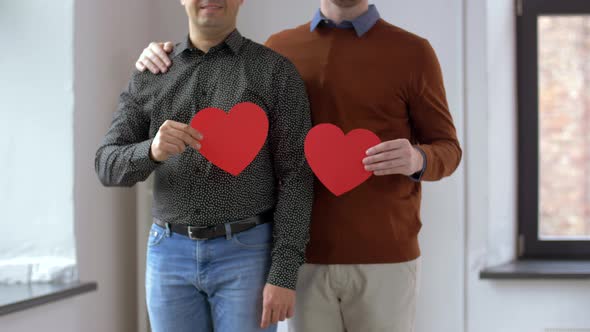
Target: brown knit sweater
{"x": 390, "y": 82}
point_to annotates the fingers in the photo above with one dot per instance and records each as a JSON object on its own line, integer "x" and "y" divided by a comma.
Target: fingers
{"x": 173, "y": 138}
{"x": 266, "y": 316}
{"x": 187, "y": 129}
{"x": 171, "y": 149}
{"x": 273, "y": 315}
{"x": 159, "y": 55}
{"x": 385, "y": 165}
{"x": 154, "y": 58}
{"x": 391, "y": 157}
{"x": 184, "y": 137}
{"x": 161, "y": 149}
{"x": 168, "y": 139}
{"x": 282, "y": 315}
{"x": 146, "y": 62}
{"x": 290, "y": 311}
{"x": 277, "y": 304}
{"x": 179, "y": 134}
{"x": 386, "y": 146}
{"x": 168, "y": 47}
{"x": 388, "y": 155}
{"x": 140, "y": 66}
{"x": 158, "y": 62}
{"x": 194, "y": 133}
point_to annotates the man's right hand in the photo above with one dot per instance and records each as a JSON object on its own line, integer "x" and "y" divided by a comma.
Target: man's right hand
{"x": 172, "y": 139}
{"x": 155, "y": 58}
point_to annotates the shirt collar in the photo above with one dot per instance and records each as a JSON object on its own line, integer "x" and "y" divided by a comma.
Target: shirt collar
{"x": 361, "y": 24}
{"x": 234, "y": 41}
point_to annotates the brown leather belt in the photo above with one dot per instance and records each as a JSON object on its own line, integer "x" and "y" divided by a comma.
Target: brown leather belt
{"x": 210, "y": 232}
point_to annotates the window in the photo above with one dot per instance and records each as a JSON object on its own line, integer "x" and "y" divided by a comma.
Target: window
{"x": 553, "y": 45}
{"x": 36, "y": 148}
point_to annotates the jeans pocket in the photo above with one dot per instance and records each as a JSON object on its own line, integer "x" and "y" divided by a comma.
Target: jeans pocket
{"x": 259, "y": 237}
{"x": 156, "y": 235}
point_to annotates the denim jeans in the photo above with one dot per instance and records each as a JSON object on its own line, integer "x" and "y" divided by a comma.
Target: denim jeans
{"x": 207, "y": 285}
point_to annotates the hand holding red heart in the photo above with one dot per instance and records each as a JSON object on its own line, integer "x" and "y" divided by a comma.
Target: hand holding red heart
{"x": 233, "y": 139}
{"x": 335, "y": 158}
{"x": 172, "y": 139}
{"x": 394, "y": 157}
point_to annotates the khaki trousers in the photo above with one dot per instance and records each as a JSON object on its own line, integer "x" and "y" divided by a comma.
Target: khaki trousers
{"x": 356, "y": 298}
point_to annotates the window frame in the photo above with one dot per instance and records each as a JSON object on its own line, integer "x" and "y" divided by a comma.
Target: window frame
{"x": 529, "y": 244}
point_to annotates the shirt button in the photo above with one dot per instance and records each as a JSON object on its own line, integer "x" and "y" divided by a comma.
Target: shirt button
{"x": 198, "y": 211}
{"x": 204, "y": 93}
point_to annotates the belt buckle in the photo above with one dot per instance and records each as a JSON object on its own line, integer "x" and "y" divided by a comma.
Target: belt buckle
{"x": 190, "y": 232}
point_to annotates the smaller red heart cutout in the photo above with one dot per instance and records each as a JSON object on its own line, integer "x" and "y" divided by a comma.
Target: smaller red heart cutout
{"x": 232, "y": 140}
{"x": 337, "y": 159}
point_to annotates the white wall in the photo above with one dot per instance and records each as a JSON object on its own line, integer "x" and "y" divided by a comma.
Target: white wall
{"x": 71, "y": 315}
{"x": 169, "y": 21}
{"x": 442, "y": 238}
{"x": 108, "y": 36}
{"x": 441, "y": 301}
{"x": 502, "y": 306}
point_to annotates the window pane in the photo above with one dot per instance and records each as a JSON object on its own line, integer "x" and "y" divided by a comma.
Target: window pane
{"x": 564, "y": 120}
{"x": 36, "y": 148}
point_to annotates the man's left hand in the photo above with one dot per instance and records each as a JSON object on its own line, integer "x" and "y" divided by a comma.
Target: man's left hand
{"x": 278, "y": 305}
{"x": 394, "y": 157}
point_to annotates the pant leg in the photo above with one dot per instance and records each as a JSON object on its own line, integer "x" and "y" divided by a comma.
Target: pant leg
{"x": 381, "y": 297}
{"x": 174, "y": 303}
{"x": 235, "y": 279}
{"x": 317, "y": 305}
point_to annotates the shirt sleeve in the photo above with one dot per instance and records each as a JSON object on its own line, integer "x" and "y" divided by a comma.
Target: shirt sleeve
{"x": 123, "y": 157}
{"x": 290, "y": 121}
{"x": 435, "y": 132}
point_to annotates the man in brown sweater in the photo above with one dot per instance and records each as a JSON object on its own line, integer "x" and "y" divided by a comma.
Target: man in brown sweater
{"x": 361, "y": 72}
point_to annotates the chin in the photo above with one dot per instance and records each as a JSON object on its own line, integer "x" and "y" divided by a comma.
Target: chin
{"x": 211, "y": 24}
{"x": 209, "y": 20}
{"x": 346, "y": 3}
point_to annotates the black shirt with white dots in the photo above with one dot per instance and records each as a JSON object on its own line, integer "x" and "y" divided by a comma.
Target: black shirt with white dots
{"x": 188, "y": 189}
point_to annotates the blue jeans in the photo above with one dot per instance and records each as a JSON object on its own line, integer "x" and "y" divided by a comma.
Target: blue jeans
{"x": 207, "y": 285}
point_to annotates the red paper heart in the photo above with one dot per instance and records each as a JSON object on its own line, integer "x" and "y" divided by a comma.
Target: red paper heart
{"x": 232, "y": 140}
{"x": 336, "y": 159}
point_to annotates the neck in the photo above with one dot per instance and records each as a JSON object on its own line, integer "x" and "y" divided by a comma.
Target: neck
{"x": 205, "y": 40}
{"x": 337, "y": 14}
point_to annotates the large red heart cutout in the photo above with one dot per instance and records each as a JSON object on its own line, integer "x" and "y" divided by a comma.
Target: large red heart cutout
{"x": 232, "y": 140}
{"x": 337, "y": 159}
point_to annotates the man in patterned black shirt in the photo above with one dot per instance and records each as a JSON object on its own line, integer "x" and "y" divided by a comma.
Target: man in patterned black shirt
{"x": 224, "y": 250}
